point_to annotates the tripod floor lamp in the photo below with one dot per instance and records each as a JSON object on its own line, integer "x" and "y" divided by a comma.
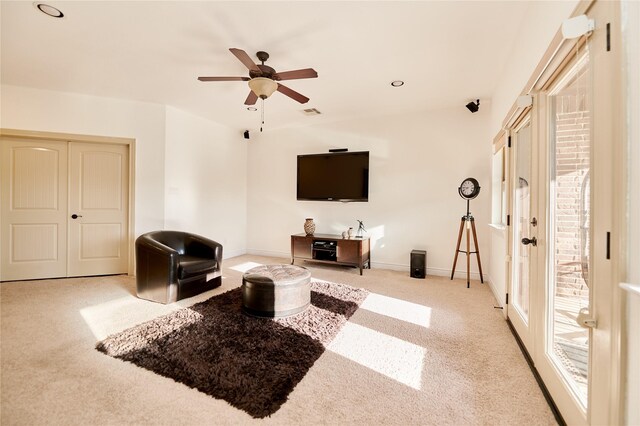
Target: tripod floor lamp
{"x": 468, "y": 190}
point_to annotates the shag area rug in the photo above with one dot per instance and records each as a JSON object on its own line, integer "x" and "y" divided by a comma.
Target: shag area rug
{"x": 252, "y": 363}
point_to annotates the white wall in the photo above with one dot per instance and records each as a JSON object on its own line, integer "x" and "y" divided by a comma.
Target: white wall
{"x": 203, "y": 180}
{"x": 417, "y": 163}
{"x": 206, "y": 180}
{"x": 498, "y": 266}
{"x": 43, "y": 110}
{"x": 537, "y": 29}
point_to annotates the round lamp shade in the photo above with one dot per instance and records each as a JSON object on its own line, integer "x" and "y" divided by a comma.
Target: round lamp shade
{"x": 263, "y": 87}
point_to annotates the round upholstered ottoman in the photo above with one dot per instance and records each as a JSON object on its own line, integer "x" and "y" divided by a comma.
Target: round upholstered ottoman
{"x": 276, "y": 290}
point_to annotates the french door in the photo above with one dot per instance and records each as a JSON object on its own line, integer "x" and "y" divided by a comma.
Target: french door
{"x": 524, "y": 203}
{"x": 64, "y": 209}
{"x": 563, "y": 236}
{"x": 564, "y": 361}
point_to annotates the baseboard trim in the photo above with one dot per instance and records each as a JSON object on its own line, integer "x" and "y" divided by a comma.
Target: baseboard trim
{"x": 232, "y": 253}
{"x": 495, "y": 293}
{"x": 269, "y": 253}
{"x": 457, "y": 274}
{"x": 543, "y": 387}
{"x": 439, "y": 272}
{"x": 499, "y": 299}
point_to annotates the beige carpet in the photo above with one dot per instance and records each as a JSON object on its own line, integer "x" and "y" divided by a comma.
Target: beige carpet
{"x": 416, "y": 352}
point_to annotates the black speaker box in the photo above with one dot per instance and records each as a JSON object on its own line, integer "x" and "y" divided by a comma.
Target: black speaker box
{"x": 418, "y": 263}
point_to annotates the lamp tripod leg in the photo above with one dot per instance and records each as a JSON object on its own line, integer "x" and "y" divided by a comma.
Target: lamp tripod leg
{"x": 455, "y": 259}
{"x": 468, "y": 254}
{"x": 475, "y": 242}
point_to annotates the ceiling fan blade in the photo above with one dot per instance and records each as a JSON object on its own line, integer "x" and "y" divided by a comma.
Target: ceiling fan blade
{"x": 251, "y": 99}
{"x": 296, "y": 74}
{"x": 245, "y": 59}
{"x": 292, "y": 94}
{"x": 224, "y": 78}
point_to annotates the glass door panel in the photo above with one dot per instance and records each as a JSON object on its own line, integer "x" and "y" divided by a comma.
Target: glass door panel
{"x": 569, "y": 218}
{"x": 522, "y": 221}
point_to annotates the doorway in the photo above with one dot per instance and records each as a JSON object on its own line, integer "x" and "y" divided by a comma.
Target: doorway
{"x": 65, "y": 207}
{"x": 524, "y": 212}
{"x": 564, "y": 253}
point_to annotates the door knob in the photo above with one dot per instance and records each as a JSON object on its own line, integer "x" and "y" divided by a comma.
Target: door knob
{"x": 75, "y": 216}
{"x": 585, "y": 319}
{"x": 533, "y": 241}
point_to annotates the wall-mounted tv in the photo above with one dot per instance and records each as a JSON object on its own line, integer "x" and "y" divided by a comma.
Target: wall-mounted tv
{"x": 340, "y": 176}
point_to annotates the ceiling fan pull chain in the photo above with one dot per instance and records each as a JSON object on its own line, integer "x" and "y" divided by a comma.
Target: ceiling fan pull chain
{"x": 261, "y": 124}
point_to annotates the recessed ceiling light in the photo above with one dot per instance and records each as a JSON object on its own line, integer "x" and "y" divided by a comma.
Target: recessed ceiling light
{"x": 49, "y": 10}
{"x": 252, "y": 108}
{"x": 397, "y": 83}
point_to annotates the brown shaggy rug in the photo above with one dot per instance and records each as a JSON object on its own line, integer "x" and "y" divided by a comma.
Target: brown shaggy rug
{"x": 252, "y": 363}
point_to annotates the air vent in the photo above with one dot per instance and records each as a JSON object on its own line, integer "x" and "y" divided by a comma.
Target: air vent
{"x": 311, "y": 111}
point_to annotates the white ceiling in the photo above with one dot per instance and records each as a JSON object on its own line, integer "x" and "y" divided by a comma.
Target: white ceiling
{"x": 447, "y": 52}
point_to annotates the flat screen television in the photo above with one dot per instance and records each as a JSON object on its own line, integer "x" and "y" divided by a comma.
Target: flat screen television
{"x": 339, "y": 176}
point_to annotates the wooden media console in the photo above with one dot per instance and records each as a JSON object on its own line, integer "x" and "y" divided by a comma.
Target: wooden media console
{"x": 331, "y": 249}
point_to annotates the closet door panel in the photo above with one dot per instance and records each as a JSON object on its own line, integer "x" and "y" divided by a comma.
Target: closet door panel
{"x": 34, "y": 205}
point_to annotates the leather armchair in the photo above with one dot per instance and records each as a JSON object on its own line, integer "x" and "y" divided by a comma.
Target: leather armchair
{"x": 174, "y": 265}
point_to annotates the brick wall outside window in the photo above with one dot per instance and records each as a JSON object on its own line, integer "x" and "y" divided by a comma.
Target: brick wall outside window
{"x": 572, "y": 167}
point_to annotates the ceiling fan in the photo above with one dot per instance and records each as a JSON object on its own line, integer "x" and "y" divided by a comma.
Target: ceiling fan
{"x": 263, "y": 80}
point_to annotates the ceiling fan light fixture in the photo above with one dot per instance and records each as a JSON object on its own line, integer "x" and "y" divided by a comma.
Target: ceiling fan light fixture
{"x": 263, "y": 87}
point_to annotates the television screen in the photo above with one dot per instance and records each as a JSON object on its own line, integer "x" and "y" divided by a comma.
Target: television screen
{"x": 341, "y": 176}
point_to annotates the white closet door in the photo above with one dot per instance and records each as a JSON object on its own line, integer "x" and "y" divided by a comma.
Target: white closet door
{"x": 34, "y": 209}
{"x": 98, "y": 210}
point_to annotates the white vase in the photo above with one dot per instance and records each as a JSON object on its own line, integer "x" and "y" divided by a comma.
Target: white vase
{"x": 309, "y": 226}
{"x": 350, "y": 232}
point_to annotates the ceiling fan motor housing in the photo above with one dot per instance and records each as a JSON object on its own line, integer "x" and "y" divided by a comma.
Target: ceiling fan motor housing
{"x": 265, "y": 71}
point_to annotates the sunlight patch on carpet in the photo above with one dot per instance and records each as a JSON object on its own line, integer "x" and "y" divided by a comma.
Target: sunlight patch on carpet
{"x": 104, "y": 318}
{"x": 244, "y": 267}
{"x": 387, "y": 355}
{"x": 398, "y": 309}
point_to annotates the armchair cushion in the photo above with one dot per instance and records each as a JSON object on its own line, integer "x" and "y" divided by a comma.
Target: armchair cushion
{"x": 188, "y": 266}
